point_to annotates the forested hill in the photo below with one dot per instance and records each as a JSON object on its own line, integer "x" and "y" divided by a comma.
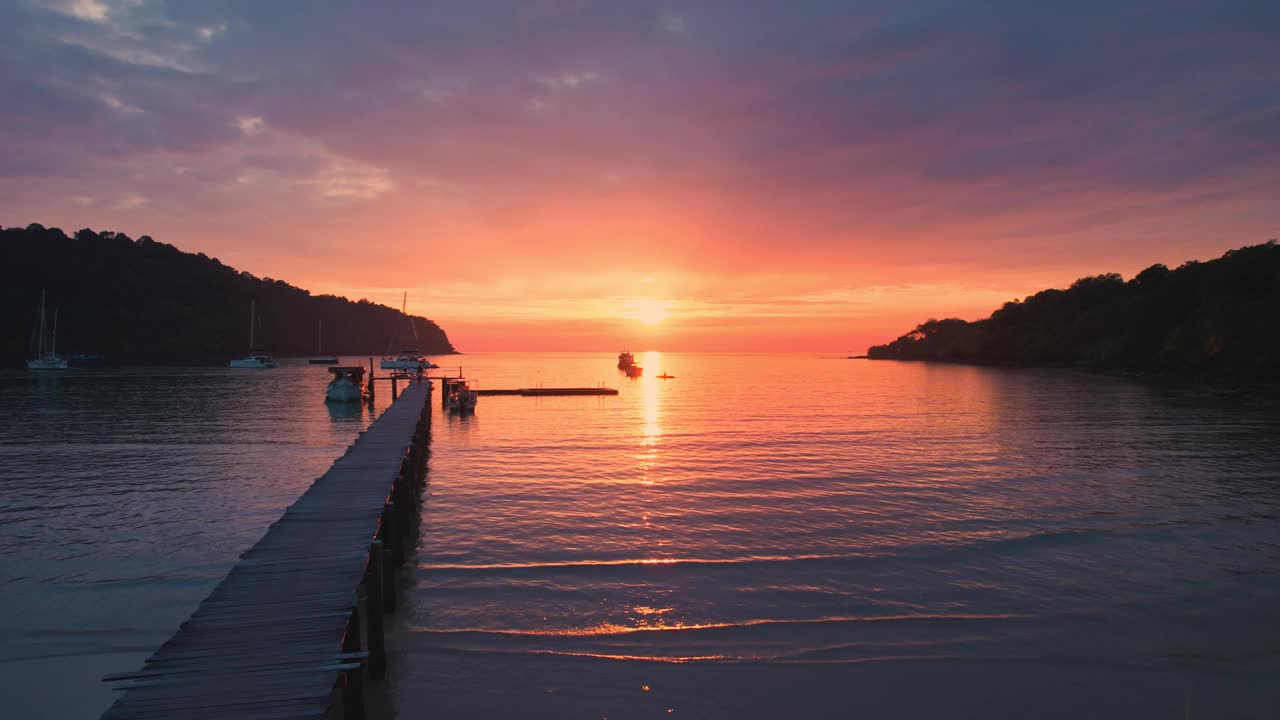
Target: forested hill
{"x": 145, "y": 302}
{"x": 1218, "y": 315}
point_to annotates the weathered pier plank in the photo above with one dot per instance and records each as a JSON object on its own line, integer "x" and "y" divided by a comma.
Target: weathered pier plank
{"x": 281, "y": 636}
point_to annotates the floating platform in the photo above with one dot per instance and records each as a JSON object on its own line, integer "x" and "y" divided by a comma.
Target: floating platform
{"x": 546, "y": 392}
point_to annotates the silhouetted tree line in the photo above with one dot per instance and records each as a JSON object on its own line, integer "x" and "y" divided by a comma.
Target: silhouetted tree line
{"x": 1218, "y": 315}
{"x": 145, "y": 302}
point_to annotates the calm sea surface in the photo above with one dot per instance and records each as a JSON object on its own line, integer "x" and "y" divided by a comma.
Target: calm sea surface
{"x": 761, "y": 536}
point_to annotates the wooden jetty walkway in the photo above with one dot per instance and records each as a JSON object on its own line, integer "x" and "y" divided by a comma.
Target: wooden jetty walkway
{"x": 281, "y": 636}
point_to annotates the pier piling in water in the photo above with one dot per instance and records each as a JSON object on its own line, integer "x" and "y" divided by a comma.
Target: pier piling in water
{"x": 280, "y": 636}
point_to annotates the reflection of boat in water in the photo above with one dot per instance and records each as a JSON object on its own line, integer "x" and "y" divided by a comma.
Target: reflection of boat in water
{"x": 319, "y": 358}
{"x": 626, "y": 360}
{"x": 257, "y": 359}
{"x": 462, "y": 398}
{"x": 634, "y": 371}
{"x": 665, "y": 376}
{"x": 87, "y": 360}
{"x": 347, "y": 384}
{"x": 47, "y": 359}
{"x": 344, "y": 411}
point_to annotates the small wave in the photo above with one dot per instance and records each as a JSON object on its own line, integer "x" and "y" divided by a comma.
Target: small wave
{"x": 712, "y": 659}
{"x": 1017, "y": 543}
{"x": 626, "y": 562}
{"x": 609, "y": 629}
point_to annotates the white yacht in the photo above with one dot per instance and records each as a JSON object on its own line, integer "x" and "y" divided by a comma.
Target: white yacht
{"x": 411, "y": 360}
{"x": 47, "y": 359}
{"x": 320, "y": 358}
{"x": 257, "y": 359}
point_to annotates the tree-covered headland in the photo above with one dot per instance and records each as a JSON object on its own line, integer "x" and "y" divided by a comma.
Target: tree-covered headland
{"x": 1223, "y": 314}
{"x": 143, "y": 302}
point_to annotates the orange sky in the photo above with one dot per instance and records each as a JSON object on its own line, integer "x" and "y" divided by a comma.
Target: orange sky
{"x": 555, "y": 176}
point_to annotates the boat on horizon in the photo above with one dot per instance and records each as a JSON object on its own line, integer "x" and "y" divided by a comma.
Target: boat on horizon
{"x": 665, "y": 376}
{"x": 347, "y": 384}
{"x": 319, "y": 358}
{"x": 47, "y": 359}
{"x": 257, "y": 359}
{"x": 626, "y": 360}
{"x": 634, "y": 371}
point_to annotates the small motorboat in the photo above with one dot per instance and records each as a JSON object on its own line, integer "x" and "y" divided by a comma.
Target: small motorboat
{"x": 665, "y": 376}
{"x": 347, "y": 384}
{"x": 462, "y": 398}
{"x": 634, "y": 371}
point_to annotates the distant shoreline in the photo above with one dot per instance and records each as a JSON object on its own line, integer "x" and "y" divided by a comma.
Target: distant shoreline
{"x": 1226, "y": 383}
{"x": 219, "y": 362}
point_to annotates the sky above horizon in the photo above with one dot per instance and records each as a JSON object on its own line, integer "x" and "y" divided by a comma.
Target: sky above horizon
{"x": 574, "y": 175}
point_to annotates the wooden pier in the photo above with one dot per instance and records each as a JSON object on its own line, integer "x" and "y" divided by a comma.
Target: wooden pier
{"x": 297, "y": 625}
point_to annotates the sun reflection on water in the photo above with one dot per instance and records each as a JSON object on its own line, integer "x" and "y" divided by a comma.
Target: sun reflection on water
{"x": 652, "y": 406}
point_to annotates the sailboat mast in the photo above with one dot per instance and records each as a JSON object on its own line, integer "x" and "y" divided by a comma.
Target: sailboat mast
{"x": 404, "y": 304}
{"x": 41, "y": 350}
{"x": 251, "y": 324}
{"x": 53, "y": 347}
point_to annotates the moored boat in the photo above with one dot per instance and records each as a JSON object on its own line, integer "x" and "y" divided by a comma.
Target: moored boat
{"x": 410, "y": 359}
{"x": 347, "y": 384}
{"x": 320, "y": 358}
{"x": 634, "y": 371}
{"x": 257, "y": 359}
{"x": 626, "y": 360}
{"x": 462, "y": 398}
{"x": 47, "y": 359}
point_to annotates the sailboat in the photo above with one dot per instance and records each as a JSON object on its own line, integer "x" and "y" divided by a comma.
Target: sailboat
{"x": 320, "y": 358}
{"x": 257, "y": 359}
{"x": 410, "y": 359}
{"x": 47, "y": 359}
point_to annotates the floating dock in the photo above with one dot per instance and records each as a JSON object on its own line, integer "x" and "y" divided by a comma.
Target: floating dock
{"x": 545, "y": 392}
{"x": 297, "y": 625}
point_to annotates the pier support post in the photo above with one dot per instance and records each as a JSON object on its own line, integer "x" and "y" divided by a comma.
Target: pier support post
{"x": 371, "y": 381}
{"x": 353, "y": 680}
{"x": 389, "y": 583}
{"x": 374, "y": 609}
